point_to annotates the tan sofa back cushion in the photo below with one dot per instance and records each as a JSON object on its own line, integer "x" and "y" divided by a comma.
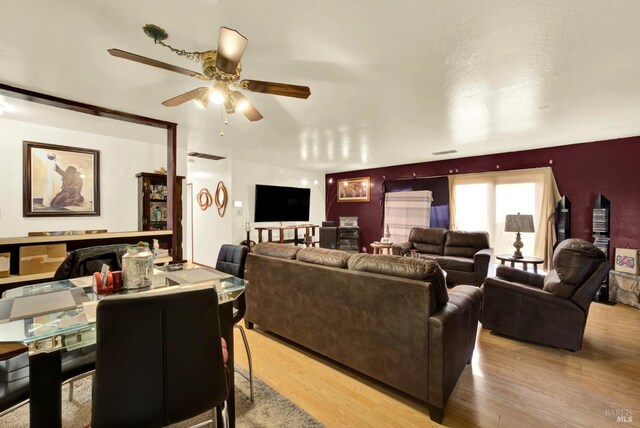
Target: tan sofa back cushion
{"x": 460, "y": 243}
{"x": 272, "y": 249}
{"x": 323, "y": 256}
{"x": 403, "y": 267}
{"x": 574, "y": 261}
{"x": 427, "y": 240}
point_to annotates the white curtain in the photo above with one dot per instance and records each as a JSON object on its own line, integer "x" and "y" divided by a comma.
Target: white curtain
{"x": 482, "y": 201}
{"x": 404, "y": 210}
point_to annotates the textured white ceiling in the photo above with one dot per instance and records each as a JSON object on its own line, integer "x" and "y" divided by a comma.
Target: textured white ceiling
{"x": 391, "y": 81}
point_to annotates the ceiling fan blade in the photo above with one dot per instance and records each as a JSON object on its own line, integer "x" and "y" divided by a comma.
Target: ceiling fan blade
{"x": 272, "y": 88}
{"x": 200, "y": 94}
{"x": 231, "y": 46}
{"x": 154, "y": 63}
{"x": 243, "y": 104}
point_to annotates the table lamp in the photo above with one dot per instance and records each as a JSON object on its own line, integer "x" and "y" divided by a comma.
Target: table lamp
{"x": 519, "y": 223}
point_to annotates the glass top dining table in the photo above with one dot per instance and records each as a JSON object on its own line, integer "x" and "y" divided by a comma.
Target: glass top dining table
{"x": 61, "y": 314}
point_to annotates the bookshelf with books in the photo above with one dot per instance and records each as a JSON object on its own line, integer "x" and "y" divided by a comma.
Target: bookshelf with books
{"x": 601, "y": 235}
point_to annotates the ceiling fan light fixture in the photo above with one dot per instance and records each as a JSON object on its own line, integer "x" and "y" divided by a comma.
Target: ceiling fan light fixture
{"x": 201, "y": 103}
{"x": 216, "y": 97}
{"x": 231, "y": 46}
{"x": 217, "y": 93}
{"x": 242, "y": 105}
{"x": 229, "y": 105}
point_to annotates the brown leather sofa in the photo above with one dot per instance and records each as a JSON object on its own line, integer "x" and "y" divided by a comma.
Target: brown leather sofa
{"x": 550, "y": 310}
{"x": 465, "y": 256}
{"x": 389, "y": 317}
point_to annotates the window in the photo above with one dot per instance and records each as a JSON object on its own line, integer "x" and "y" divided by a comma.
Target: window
{"x": 513, "y": 199}
{"x": 473, "y": 205}
{"x": 482, "y": 201}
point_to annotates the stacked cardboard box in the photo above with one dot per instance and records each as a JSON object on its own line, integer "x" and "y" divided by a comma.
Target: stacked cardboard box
{"x": 5, "y": 263}
{"x": 41, "y": 258}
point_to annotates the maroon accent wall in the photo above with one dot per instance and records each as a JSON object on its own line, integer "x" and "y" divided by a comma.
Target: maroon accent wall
{"x": 610, "y": 167}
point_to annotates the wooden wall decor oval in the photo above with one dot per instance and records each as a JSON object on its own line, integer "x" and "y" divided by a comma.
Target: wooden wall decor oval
{"x": 221, "y": 199}
{"x": 204, "y": 199}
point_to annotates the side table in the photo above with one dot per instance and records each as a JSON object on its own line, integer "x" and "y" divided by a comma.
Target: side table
{"x": 624, "y": 288}
{"x": 535, "y": 261}
{"x": 381, "y": 247}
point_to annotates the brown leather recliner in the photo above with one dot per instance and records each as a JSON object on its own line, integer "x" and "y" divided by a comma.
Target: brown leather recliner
{"x": 550, "y": 310}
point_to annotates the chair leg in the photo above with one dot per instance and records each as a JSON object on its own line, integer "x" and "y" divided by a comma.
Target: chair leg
{"x": 71, "y": 381}
{"x": 225, "y": 415}
{"x": 14, "y": 407}
{"x": 220, "y": 415}
{"x": 246, "y": 347}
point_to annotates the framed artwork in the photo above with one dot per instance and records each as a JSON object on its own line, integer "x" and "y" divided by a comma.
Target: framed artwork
{"x": 627, "y": 260}
{"x": 354, "y": 189}
{"x": 60, "y": 181}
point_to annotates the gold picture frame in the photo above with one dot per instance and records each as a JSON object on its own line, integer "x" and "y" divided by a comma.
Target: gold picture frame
{"x": 354, "y": 189}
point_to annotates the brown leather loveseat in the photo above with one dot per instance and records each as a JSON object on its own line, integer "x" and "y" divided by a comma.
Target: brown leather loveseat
{"x": 389, "y": 317}
{"x": 465, "y": 256}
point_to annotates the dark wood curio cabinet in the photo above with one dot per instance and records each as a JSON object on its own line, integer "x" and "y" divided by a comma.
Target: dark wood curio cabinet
{"x": 152, "y": 203}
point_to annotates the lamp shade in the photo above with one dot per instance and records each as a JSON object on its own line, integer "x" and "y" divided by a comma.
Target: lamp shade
{"x": 519, "y": 223}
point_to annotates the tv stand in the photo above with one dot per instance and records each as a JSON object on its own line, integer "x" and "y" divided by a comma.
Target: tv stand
{"x": 310, "y": 232}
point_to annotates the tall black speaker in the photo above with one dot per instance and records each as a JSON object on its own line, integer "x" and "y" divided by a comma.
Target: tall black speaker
{"x": 563, "y": 220}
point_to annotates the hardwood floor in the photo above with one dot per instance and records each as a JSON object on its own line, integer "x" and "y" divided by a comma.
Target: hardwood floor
{"x": 509, "y": 384}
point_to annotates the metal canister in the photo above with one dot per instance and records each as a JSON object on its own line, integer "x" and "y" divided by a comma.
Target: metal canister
{"x": 137, "y": 268}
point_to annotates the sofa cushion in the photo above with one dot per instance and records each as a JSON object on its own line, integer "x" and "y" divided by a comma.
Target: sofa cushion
{"x": 459, "y": 243}
{"x": 574, "y": 261}
{"x": 323, "y": 256}
{"x": 456, "y": 263}
{"x": 403, "y": 267}
{"x": 273, "y": 249}
{"x": 428, "y": 240}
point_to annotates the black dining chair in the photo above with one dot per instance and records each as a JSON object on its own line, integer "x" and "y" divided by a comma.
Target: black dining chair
{"x": 76, "y": 364}
{"x": 159, "y": 358}
{"x": 80, "y": 363}
{"x": 232, "y": 260}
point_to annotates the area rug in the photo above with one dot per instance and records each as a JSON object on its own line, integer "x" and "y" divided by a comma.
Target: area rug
{"x": 268, "y": 409}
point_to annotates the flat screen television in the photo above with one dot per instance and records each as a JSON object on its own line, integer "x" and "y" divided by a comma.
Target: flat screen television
{"x": 279, "y": 203}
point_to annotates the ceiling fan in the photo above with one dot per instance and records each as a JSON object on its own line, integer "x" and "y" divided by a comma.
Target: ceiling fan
{"x": 220, "y": 67}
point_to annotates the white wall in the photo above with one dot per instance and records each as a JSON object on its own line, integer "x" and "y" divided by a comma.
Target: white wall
{"x": 120, "y": 160}
{"x": 210, "y": 230}
{"x": 240, "y": 178}
{"x": 245, "y": 176}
